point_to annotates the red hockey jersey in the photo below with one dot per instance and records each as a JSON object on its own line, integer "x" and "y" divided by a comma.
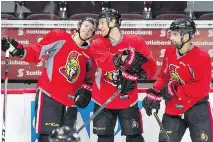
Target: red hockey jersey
{"x": 192, "y": 70}
{"x": 67, "y": 68}
{"x": 104, "y": 87}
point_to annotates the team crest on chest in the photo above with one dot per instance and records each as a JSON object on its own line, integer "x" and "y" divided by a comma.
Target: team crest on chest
{"x": 174, "y": 74}
{"x": 203, "y": 137}
{"x": 112, "y": 77}
{"x": 71, "y": 69}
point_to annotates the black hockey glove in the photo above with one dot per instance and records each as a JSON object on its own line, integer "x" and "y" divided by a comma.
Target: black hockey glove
{"x": 126, "y": 81}
{"x": 151, "y": 101}
{"x": 83, "y": 96}
{"x": 63, "y": 134}
{"x": 18, "y": 48}
{"x": 133, "y": 62}
{"x": 170, "y": 90}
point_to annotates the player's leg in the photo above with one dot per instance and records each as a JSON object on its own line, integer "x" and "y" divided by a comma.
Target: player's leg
{"x": 131, "y": 124}
{"x": 201, "y": 122}
{"x": 175, "y": 128}
{"x": 69, "y": 117}
{"x": 48, "y": 115}
{"x": 104, "y": 124}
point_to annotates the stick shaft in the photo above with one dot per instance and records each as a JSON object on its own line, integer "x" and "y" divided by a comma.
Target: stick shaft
{"x": 5, "y": 96}
{"x": 161, "y": 126}
{"x": 98, "y": 111}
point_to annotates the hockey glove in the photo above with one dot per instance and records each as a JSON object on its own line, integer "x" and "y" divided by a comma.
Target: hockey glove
{"x": 151, "y": 101}
{"x": 133, "y": 61}
{"x": 18, "y": 48}
{"x": 142, "y": 74}
{"x": 83, "y": 96}
{"x": 170, "y": 90}
{"x": 127, "y": 82}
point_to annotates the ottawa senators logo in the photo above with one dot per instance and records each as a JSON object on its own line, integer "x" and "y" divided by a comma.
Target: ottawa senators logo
{"x": 112, "y": 77}
{"x": 71, "y": 70}
{"x": 174, "y": 74}
{"x": 203, "y": 137}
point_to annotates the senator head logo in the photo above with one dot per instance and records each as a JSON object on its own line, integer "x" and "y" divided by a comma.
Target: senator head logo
{"x": 174, "y": 74}
{"x": 71, "y": 70}
{"x": 203, "y": 136}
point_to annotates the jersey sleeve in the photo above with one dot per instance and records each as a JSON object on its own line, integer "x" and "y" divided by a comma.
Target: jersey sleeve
{"x": 163, "y": 76}
{"x": 102, "y": 55}
{"x": 150, "y": 67}
{"x": 199, "y": 87}
{"x": 34, "y": 53}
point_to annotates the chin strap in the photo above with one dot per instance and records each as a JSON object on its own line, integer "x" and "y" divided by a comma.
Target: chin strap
{"x": 110, "y": 28}
{"x": 85, "y": 42}
{"x": 181, "y": 46}
{"x": 78, "y": 31}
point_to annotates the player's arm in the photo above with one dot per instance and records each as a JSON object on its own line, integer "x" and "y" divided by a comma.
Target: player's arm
{"x": 163, "y": 76}
{"x": 33, "y": 53}
{"x": 200, "y": 86}
{"x": 150, "y": 66}
{"x": 84, "y": 93}
{"x": 154, "y": 96}
{"x": 102, "y": 55}
{"x": 50, "y": 44}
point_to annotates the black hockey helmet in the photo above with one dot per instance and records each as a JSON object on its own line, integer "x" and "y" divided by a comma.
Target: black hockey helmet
{"x": 184, "y": 25}
{"x": 109, "y": 14}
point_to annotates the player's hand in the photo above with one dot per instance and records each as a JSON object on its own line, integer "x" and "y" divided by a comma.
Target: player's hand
{"x": 134, "y": 60}
{"x": 151, "y": 101}
{"x": 83, "y": 96}
{"x": 4, "y": 44}
{"x": 126, "y": 81}
{"x": 17, "y": 50}
{"x": 131, "y": 60}
{"x": 170, "y": 90}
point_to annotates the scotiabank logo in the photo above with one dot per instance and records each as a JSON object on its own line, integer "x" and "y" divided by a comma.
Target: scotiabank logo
{"x": 163, "y": 33}
{"x": 37, "y": 31}
{"x": 39, "y": 39}
{"x": 162, "y": 52}
{"x": 24, "y": 41}
{"x": 20, "y": 73}
{"x": 210, "y": 53}
{"x": 23, "y": 72}
{"x": 210, "y": 33}
{"x": 197, "y": 32}
{"x": 20, "y": 32}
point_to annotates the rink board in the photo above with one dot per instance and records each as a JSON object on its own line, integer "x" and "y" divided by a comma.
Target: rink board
{"x": 21, "y": 115}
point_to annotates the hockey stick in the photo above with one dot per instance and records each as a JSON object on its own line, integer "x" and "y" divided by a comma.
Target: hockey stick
{"x": 5, "y": 96}
{"x": 161, "y": 126}
{"x": 65, "y": 132}
{"x": 75, "y": 134}
{"x": 5, "y": 92}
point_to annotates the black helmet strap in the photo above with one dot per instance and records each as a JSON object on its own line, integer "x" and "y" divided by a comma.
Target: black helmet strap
{"x": 110, "y": 28}
{"x": 182, "y": 34}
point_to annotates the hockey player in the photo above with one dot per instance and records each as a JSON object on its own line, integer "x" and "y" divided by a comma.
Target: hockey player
{"x": 184, "y": 84}
{"x": 121, "y": 60}
{"x": 66, "y": 79}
